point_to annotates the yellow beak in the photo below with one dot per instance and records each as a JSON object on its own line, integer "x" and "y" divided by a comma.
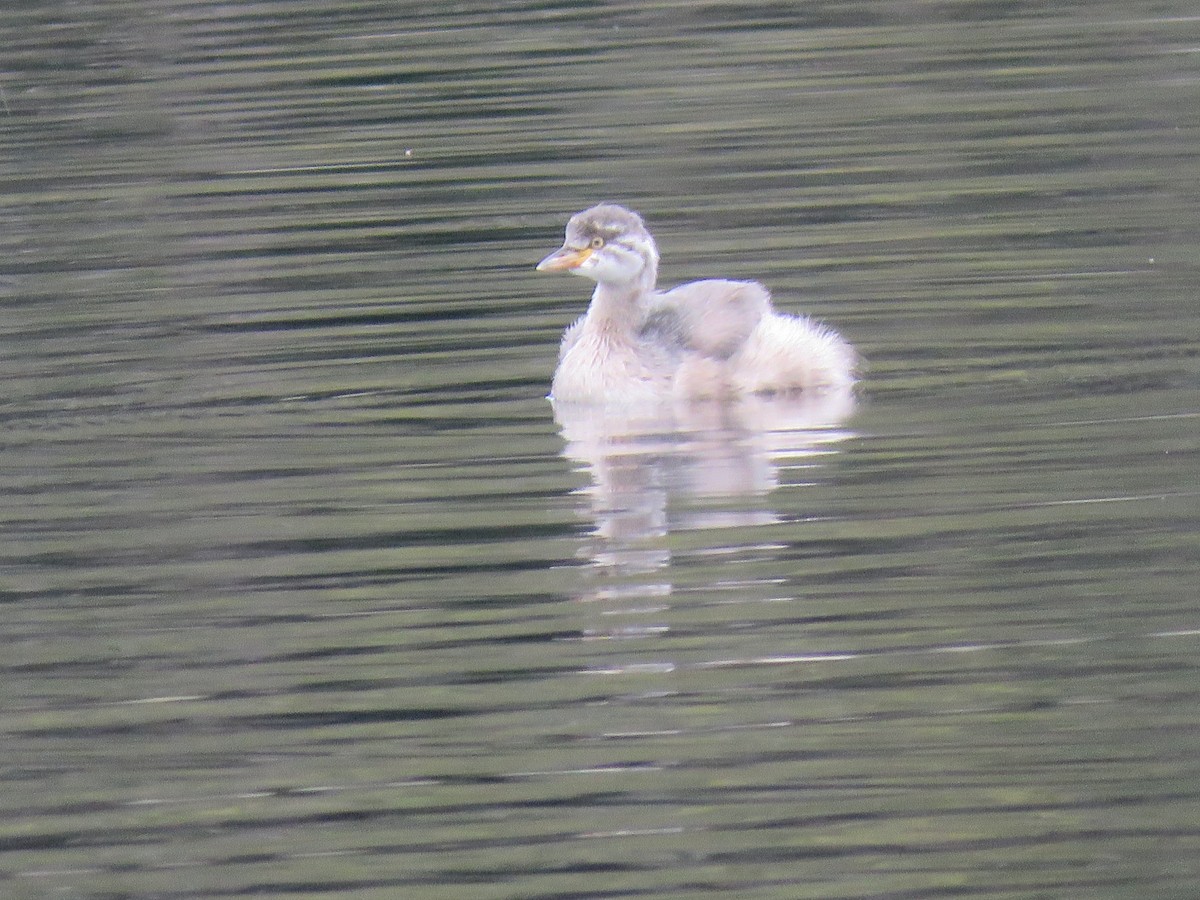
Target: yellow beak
{"x": 564, "y": 259}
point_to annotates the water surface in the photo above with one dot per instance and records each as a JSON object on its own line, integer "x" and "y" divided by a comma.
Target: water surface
{"x": 307, "y": 592}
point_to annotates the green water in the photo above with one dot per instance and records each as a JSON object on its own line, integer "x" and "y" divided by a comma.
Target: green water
{"x": 305, "y": 592}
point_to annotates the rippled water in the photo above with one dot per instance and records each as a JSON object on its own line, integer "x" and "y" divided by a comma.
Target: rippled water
{"x": 306, "y": 592}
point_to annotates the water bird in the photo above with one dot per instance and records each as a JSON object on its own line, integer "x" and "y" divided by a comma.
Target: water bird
{"x": 711, "y": 339}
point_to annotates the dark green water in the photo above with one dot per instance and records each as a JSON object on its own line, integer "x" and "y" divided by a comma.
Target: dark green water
{"x": 305, "y": 593}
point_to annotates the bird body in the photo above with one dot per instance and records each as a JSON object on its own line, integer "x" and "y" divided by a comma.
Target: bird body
{"x": 701, "y": 340}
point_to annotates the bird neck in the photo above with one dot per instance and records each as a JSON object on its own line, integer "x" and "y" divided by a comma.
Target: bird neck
{"x": 618, "y": 310}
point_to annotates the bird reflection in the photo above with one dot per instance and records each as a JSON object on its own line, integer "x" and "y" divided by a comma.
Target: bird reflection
{"x": 684, "y": 467}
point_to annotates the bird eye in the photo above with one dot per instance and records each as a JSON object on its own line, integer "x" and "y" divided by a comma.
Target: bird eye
{"x": 597, "y": 242}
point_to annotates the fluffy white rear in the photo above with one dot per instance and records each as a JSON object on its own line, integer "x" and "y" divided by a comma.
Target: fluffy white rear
{"x": 792, "y": 353}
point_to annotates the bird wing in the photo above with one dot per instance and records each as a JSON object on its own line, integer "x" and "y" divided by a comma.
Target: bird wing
{"x": 713, "y": 317}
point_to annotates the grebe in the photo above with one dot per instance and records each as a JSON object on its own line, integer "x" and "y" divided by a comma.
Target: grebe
{"x": 705, "y": 339}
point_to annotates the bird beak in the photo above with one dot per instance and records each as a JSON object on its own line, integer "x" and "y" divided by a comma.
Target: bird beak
{"x": 565, "y": 259}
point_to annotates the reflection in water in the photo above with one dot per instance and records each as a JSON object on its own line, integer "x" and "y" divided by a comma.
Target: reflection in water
{"x": 643, "y": 463}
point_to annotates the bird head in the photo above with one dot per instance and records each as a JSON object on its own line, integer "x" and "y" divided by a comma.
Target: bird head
{"x": 608, "y": 244}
